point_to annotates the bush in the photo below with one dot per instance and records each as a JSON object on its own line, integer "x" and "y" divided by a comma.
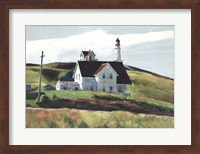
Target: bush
{"x": 105, "y": 126}
{"x": 83, "y": 124}
{"x": 45, "y": 99}
{"x": 55, "y": 97}
{"x": 69, "y": 122}
{"x": 52, "y": 124}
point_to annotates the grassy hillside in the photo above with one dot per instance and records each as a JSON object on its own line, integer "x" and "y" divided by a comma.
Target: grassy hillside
{"x": 50, "y": 74}
{"x": 146, "y": 86}
{"x": 99, "y": 101}
{"x": 151, "y": 94}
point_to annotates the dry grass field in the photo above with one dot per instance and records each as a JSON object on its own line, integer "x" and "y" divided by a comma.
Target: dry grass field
{"x": 73, "y": 118}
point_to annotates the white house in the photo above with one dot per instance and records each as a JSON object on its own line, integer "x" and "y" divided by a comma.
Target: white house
{"x": 109, "y": 76}
{"x": 106, "y": 78}
{"x": 101, "y": 76}
{"x": 91, "y": 74}
{"x": 67, "y": 85}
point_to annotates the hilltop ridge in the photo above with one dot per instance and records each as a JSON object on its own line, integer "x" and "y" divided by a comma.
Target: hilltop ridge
{"x": 71, "y": 65}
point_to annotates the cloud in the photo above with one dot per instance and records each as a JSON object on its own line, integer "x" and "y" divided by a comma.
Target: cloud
{"x": 38, "y": 32}
{"x": 103, "y": 44}
{"x": 157, "y": 56}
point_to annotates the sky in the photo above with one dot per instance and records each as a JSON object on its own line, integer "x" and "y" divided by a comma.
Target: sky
{"x": 147, "y": 47}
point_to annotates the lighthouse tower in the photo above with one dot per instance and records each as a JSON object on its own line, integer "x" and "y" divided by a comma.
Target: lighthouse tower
{"x": 118, "y": 51}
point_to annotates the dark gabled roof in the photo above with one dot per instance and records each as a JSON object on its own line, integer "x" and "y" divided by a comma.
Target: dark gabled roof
{"x": 88, "y": 69}
{"x": 85, "y": 53}
{"x": 49, "y": 87}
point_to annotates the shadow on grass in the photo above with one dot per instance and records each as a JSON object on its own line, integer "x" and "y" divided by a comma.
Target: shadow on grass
{"x": 99, "y": 104}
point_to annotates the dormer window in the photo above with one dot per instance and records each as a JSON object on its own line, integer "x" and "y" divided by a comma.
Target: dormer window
{"x": 87, "y": 56}
{"x": 103, "y": 76}
{"x": 111, "y": 76}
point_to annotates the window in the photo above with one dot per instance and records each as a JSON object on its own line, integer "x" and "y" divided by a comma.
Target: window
{"x": 103, "y": 88}
{"x": 64, "y": 88}
{"x": 103, "y": 76}
{"x": 111, "y": 88}
{"x": 91, "y": 88}
{"x": 111, "y": 76}
{"x": 119, "y": 89}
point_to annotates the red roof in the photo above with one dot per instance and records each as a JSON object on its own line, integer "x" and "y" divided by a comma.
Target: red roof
{"x": 88, "y": 69}
{"x": 100, "y": 68}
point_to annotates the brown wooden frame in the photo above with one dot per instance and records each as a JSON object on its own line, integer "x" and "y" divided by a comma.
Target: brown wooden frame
{"x": 5, "y": 5}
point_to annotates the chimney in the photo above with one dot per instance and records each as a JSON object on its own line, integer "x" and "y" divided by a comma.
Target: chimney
{"x": 90, "y": 55}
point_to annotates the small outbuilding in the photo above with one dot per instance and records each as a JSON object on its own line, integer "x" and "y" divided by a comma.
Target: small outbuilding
{"x": 48, "y": 87}
{"x": 67, "y": 85}
{"x": 28, "y": 88}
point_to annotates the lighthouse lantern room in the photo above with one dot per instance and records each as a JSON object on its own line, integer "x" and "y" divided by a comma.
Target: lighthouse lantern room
{"x": 118, "y": 51}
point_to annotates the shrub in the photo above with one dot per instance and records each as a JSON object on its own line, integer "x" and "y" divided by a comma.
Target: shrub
{"x": 105, "y": 126}
{"x": 45, "y": 99}
{"x": 69, "y": 121}
{"x": 54, "y": 97}
{"x": 83, "y": 124}
{"x": 52, "y": 124}
{"x": 118, "y": 124}
{"x": 42, "y": 93}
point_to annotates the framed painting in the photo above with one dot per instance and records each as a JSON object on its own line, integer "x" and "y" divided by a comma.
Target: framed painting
{"x": 100, "y": 77}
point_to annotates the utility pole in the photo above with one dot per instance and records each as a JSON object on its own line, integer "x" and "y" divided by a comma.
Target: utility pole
{"x": 39, "y": 89}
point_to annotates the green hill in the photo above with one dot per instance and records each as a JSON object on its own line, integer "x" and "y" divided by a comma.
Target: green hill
{"x": 151, "y": 103}
{"x": 50, "y": 74}
{"x": 146, "y": 85}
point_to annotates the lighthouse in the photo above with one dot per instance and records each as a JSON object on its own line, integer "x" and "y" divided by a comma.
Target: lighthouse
{"x": 118, "y": 51}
